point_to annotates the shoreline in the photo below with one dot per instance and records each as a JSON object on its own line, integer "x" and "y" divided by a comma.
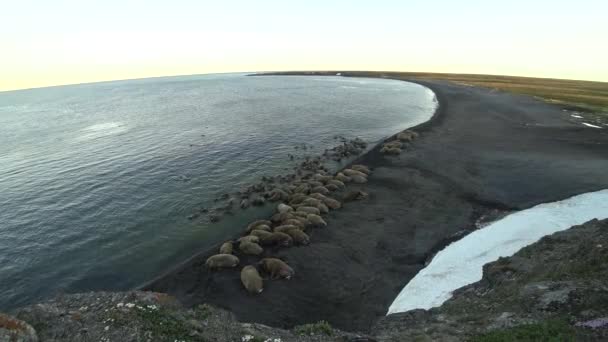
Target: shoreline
{"x": 437, "y": 114}
{"x": 441, "y": 187}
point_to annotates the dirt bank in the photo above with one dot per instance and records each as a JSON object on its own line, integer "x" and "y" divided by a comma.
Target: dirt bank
{"x": 484, "y": 151}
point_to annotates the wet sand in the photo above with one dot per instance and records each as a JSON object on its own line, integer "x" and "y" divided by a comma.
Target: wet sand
{"x": 482, "y": 153}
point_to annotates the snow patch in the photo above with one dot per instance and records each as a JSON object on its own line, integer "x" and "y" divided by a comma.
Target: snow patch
{"x": 576, "y": 116}
{"x": 461, "y": 262}
{"x": 590, "y": 125}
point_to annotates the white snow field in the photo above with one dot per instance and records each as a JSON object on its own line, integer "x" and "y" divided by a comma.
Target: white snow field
{"x": 461, "y": 262}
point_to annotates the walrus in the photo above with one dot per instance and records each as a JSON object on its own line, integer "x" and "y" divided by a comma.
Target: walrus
{"x": 297, "y": 198}
{"x": 277, "y": 268}
{"x": 244, "y": 203}
{"x": 222, "y": 261}
{"x": 332, "y": 187}
{"x": 392, "y": 144}
{"x": 284, "y": 228}
{"x": 361, "y": 168}
{"x": 407, "y": 136}
{"x": 254, "y": 224}
{"x": 251, "y": 279}
{"x": 316, "y": 220}
{"x": 249, "y": 238}
{"x": 250, "y": 248}
{"x": 321, "y": 178}
{"x": 342, "y": 178}
{"x": 322, "y": 208}
{"x": 308, "y": 210}
{"x": 350, "y": 173}
{"x": 302, "y": 189}
{"x": 332, "y": 203}
{"x": 284, "y": 208}
{"x": 260, "y": 233}
{"x": 354, "y": 195}
{"x": 301, "y": 223}
{"x": 359, "y": 179}
{"x": 320, "y": 189}
{"x": 298, "y": 236}
{"x": 337, "y": 183}
{"x": 278, "y": 195}
{"x": 226, "y": 248}
{"x": 277, "y": 238}
{"x": 315, "y": 183}
{"x": 278, "y": 217}
{"x": 300, "y": 214}
{"x": 311, "y": 201}
{"x": 390, "y": 150}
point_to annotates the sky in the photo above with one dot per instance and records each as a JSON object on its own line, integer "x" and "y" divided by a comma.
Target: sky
{"x": 58, "y": 42}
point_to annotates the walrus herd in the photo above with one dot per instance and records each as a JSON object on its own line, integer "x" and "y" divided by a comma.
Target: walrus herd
{"x": 398, "y": 142}
{"x": 302, "y": 204}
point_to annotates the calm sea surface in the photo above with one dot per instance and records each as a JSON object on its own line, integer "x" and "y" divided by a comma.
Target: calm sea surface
{"x": 97, "y": 180}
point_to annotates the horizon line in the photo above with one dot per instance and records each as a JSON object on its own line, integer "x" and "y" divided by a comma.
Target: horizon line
{"x": 295, "y": 71}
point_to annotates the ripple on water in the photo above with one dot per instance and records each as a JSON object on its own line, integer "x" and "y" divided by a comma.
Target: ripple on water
{"x": 98, "y": 179}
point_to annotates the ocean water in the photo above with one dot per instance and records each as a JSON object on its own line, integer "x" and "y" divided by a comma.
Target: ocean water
{"x": 97, "y": 180}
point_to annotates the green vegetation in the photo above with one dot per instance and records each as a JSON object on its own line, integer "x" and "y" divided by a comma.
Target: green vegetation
{"x": 319, "y": 328}
{"x": 585, "y": 94}
{"x": 160, "y": 321}
{"x": 551, "y": 330}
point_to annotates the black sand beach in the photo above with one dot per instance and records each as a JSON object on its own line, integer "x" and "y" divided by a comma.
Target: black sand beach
{"x": 484, "y": 152}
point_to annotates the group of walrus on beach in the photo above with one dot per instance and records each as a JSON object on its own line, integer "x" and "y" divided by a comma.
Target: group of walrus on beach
{"x": 303, "y": 203}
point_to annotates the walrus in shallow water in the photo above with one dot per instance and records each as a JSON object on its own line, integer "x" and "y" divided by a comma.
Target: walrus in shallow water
{"x": 222, "y": 261}
{"x": 361, "y": 168}
{"x": 351, "y": 173}
{"x": 249, "y": 238}
{"x": 226, "y": 248}
{"x": 298, "y": 236}
{"x": 250, "y": 248}
{"x": 251, "y": 279}
{"x": 316, "y": 220}
{"x": 277, "y": 238}
{"x": 308, "y": 210}
{"x": 277, "y": 268}
{"x": 253, "y": 225}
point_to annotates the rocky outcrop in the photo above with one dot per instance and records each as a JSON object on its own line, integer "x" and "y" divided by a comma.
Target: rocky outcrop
{"x": 149, "y": 316}
{"x": 555, "y": 289}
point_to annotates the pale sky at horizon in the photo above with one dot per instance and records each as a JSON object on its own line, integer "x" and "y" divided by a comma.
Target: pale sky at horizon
{"x": 64, "y": 41}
